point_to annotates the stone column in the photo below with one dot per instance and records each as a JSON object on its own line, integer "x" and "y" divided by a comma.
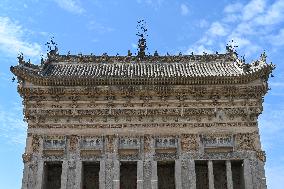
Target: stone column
{"x": 140, "y": 174}
{"x": 247, "y": 174}
{"x": 40, "y": 174}
{"x": 108, "y": 174}
{"x": 78, "y": 172}
{"x": 229, "y": 175}
{"x": 102, "y": 175}
{"x": 154, "y": 175}
{"x": 64, "y": 174}
{"x": 116, "y": 174}
{"x": 210, "y": 174}
{"x": 178, "y": 182}
{"x": 192, "y": 175}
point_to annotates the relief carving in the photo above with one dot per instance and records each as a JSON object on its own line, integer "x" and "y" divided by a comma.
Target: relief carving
{"x": 189, "y": 142}
{"x": 246, "y": 141}
{"x": 35, "y": 143}
{"x": 73, "y": 141}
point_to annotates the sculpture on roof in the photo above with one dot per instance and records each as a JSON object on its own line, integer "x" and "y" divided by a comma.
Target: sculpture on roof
{"x": 52, "y": 47}
{"x": 142, "y": 34}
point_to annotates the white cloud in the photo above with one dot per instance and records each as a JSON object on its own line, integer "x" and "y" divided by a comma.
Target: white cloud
{"x": 184, "y": 9}
{"x": 232, "y": 8}
{"x": 12, "y": 126}
{"x": 72, "y": 6}
{"x": 12, "y": 39}
{"x": 274, "y": 15}
{"x": 250, "y": 25}
{"x": 253, "y": 8}
{"x": 156, "y": 4}
{"x": 278, "y": 39}
{"x": 217, "y": 29}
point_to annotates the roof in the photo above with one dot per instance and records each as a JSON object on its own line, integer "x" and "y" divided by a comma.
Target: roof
{"x": 106, "y": 70}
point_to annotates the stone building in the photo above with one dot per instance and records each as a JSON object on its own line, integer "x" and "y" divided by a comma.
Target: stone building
{"x": 145, "y": 121}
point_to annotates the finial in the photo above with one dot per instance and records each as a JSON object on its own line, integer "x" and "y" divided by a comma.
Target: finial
{"x": 129, "y": 53}
{"x": 52, "y": 48}
{"x": 231, "y": 48}
{"x": 21, "y": 58}
{"x": 156, "y": 53}
{"x": 263, "y": 56}
{"x": 142, "y": 34}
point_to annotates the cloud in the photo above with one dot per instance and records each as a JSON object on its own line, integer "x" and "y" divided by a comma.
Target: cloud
{"x": 184, "y": 10}
{"x": 72, "y": 6}
{"x": 253, "y": 8}
{"x": 156, "y": 4}
{"x": 12, "y": 126}
{"x": 232, "y": 8}
{"x": 250, "y": 25}
{"x": 217, "y": 29}
{"x": 12, "y": 39}
{"x": 277, "y": 39}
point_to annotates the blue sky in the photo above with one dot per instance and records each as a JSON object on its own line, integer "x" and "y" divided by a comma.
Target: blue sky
{"x": 93, "y": 26}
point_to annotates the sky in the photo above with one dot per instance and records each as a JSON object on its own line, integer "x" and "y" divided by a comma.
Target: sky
{"x": 93, "y": 26}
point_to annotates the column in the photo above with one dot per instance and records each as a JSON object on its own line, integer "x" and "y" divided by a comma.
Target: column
{"x": 154, "y": 175}
{"x": 108, "y": 174}
{"x": 247, "y": 174}
{"x": 192, "y": 175}
{"x": 229, "y": 175}
{"x": 210, "y": 174}
{"x": 78, "y": 172}
{"x": 40, "y": 174}
{"x": 116, "y": 174}
{"x": 64, "y": 174}
{"x": 178, "y": 174}
{"x": 140, "y": 174}
{"x": 102, "y": 175}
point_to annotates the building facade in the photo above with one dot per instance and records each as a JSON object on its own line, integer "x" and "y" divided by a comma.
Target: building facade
{"x": 146, "y": 122}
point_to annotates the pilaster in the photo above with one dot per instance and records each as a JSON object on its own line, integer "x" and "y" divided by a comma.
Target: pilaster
{"x": 154, "y": 175}
{"x": 229, "y": 175}
{"x": 210, "y": 174}
{"x": 192, "y": 175}
{"x": 178, "y": 180}
{"x": 78, "y": 174}
{"x": 102, "y": 175}
{"x": 140, "y": 174}
{"x": 64, "y": 174}
{"x": 116, "y": 174}
{"x": 248, "y": 174}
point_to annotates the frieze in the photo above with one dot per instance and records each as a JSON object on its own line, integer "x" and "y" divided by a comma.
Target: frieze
{"x": 146, "y": 125}
{"x": 129, "y": 143}
{"x": 92, "y": 142}
{"x": 217, "y": 141}
{"x": 196, "y": 92}
{"x": 166, "y": 142}
{"x": 182, "y": 111}
{"x": 54, "y": 142}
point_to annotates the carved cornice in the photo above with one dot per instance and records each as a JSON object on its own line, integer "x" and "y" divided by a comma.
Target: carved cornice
{"x": 144, "y": 125}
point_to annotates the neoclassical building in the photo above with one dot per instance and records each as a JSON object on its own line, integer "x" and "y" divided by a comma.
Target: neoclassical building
{"x": 143, "y": 121}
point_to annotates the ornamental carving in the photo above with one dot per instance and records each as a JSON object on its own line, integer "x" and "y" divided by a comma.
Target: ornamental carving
{"x": 189, "y": 142}
{"x": 110, "y": 143}
{"x": 129, "y": 143}
{"x": 73, "y": 141}
{"x": 261, "y": 155}
{"x": 246, "y": 141}
{"x": 147, "y": 143}
{"x": 54, "y": 142}
{"x": 35, "y": 143}
{"x": 27, "y": 157}
{"x": 217, "y": 141}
